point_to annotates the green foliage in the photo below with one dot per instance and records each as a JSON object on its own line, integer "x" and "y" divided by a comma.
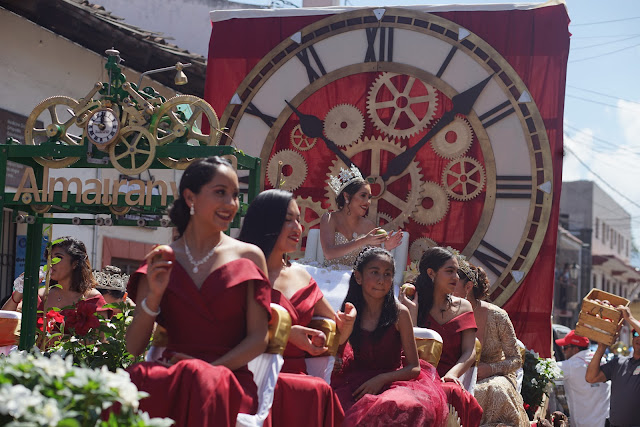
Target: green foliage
{"x": 539, "y": 375}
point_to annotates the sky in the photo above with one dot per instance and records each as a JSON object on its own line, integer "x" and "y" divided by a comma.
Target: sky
{"x": 602, "y": 104}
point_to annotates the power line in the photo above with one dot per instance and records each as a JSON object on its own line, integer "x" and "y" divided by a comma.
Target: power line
{"x": 602, "y": 179}
{"x": 597, "y": 102}
{"x": 604, "y": 141}
{"x": 605, "y": 43}
{"x": 606, "y": 22}
{"x": 603, "y": 94}
{"x": 604, "y": 54}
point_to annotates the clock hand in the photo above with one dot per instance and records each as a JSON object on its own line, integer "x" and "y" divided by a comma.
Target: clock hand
{"x": 312, "y": 127}
{"x": 462, "y": 104}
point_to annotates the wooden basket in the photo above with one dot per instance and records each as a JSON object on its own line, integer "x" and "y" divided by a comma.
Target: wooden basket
{"x": 599, "y": 322}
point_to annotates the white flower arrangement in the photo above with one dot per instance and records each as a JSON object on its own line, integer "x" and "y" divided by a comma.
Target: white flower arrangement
{"x": 41, "y": 390}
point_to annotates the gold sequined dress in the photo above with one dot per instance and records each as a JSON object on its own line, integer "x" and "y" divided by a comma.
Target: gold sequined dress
{"x": 348, "y": 259}
{"x": 497, "y": 394}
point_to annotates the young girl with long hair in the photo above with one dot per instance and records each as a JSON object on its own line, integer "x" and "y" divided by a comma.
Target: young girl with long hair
{"x": 272, "y": 223}
{"x": 376, "y": 386}
{"x": 213, "y": 300}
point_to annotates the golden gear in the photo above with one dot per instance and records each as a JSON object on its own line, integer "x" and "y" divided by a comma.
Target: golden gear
{"x": 344, "y": 124}
{"x": 459, "y": 129}
{"x": 301, "y": 141}
{"x": 463, "y": 179}
{"x": 119, "y": 210}
{"x": 291, "y": 159}
{"x": 308, "y": 209}
{"x": 171, "y": 128}
{"x": 401, "y": 103}
{"x": 436, "y": 197}
{"x": 418, "y": 247}
{"x": 58, "y": 107}
{"x": 376, "y": 145}
{"x": 386, "y": 219}
{"x": 133, "y": 151}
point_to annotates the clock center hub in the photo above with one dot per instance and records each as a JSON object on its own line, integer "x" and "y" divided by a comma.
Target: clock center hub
{"x": 52, "y": 130}
{"x": 402, "y": 102}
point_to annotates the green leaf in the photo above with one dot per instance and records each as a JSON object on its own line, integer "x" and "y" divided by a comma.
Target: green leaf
{"x": 55, "y": 260}
{"x": 55, "y": 242}
{"x": 68, "y": 422}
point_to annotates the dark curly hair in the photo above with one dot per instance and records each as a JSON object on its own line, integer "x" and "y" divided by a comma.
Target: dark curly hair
{"x": 389, "y": 315}
{"x": 81, "y": 278}
{"x": 432, "y": 258}
{"x": 265, "y": 218}
{"x": 481, "y": 286}
{"x": 199, "y": 173}
{"x": 350, "y": 189}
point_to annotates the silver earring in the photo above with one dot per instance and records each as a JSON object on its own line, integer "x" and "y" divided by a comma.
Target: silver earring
{"x": 192, "y": 211}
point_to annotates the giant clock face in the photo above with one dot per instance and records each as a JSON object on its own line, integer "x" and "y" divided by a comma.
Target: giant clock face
{"x": 440, "y": 124}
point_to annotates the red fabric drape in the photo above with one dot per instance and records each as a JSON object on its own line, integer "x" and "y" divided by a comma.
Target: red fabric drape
{"x": 536, "y": 44}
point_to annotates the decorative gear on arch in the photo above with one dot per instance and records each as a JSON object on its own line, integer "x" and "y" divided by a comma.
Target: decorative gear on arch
{"x": 301, "y": 141}
{"x": 310, "y": 214}
{"x": 405, "y": 202}
{"x": 454, "y": 140}
{"x": 433, "y": 206}
{"x": 344, "y": 124}
{"x": 418, "y": 247}
{"x": 389, "y": 100}
{"x": 463, "y": 179}
{"x": 294, "y": 170}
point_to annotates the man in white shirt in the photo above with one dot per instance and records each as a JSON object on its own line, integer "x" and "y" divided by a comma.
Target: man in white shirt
{"x": 588, "y": 403}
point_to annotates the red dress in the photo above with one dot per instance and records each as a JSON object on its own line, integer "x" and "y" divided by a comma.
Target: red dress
{"x": 417, "y": 402}
{"x": 205, "y": 323}
{"x": 469, "y": 410}
{"x": 300, "y": 399}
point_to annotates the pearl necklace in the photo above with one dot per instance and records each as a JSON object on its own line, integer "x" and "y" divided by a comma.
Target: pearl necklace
{"x": 195, "y": 263}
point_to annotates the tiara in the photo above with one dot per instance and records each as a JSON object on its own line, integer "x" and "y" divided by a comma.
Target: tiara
{"x": 110, "y": 278}
{"x": 344, "y": 178}
{"x": 468, "y": 271}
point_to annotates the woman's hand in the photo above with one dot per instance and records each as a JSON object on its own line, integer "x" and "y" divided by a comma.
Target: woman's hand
{"x": 412, "y": 305}
{"x": 450, "y": 378}
{"x": 484, "y": 371}
{"x": 310, "y": 340}
{"x": 375, "y": 237}
{"x": 345, "y": 321}
{"x": 393, "y": 240}
{"x": 159, "y": 265}
{"x": 372, "y": 386}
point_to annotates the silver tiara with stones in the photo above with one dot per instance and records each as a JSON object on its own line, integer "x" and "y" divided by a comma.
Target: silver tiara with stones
{"x": 344, "y": 178}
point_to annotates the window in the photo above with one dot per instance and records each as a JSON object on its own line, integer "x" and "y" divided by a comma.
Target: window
{"x": 604, "y": 233}
{"x": 597, "y": 226}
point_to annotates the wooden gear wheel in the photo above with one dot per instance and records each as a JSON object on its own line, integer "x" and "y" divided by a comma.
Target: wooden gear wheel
{"x": 176, "y": 124}
{"x": 133, "y": 151}
{"x": 58, "y": 115}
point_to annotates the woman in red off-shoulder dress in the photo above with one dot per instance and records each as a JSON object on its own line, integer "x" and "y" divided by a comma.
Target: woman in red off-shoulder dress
{"x": 273, "y": 224}
{"x": 213, "y": 300}
{"x": 435, "y": 307}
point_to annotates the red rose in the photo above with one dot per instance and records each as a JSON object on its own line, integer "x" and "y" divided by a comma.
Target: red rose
{"x": 53, "y": 318}
{"x": 82, "y": 318}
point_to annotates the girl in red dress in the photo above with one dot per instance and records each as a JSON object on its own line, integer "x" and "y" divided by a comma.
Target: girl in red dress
{"x": 434, "y": 307}
{"x": 273, "y": 224}
{"x": 374, "y": 386}
{"x": 213, "y": 300}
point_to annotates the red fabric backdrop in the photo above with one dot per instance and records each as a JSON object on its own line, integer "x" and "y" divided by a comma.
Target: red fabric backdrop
{"x": 536, "y": 44}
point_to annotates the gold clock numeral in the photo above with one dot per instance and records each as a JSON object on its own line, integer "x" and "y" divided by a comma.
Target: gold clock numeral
{"x": 304, "y": 57}
{"x": 385, "y": 45}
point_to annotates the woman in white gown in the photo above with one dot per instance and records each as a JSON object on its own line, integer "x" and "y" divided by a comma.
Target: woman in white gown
{"x": 345, "y": 232}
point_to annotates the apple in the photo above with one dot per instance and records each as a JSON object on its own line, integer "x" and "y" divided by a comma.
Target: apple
{"x": 408, "y": 289}
{"x": 163, "y": 253}
{"x": 381, "y": 232}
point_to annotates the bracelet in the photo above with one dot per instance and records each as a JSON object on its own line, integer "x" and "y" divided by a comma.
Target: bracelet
{"x": 17, "y": 302}
{"x": 147, "y": 310}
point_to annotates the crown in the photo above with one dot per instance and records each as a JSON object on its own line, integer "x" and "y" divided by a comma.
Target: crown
{"x": 344, "y": 178}
{"x": 111, "y": 278}
{"x": 468, "y": 271}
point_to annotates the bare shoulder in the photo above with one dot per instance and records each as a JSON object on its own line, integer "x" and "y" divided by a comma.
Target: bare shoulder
{"x": 328, "y": 220}
{"x": 465, "y": 306}
{"x": 92, "y": 293}
{"x": 246, "y": 250}
{"x": 300, "y": 274}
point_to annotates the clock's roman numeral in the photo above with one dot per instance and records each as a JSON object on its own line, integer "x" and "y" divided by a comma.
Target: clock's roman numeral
{"x": 385, "y": 49}
{"x": 446, "y": 62}
{"x": 254, "y": 111}
{"x": 513, "y": 187}
{"x": 304, "y": 57}
{"x": 492, "y": 258}
{"x": 496, "y": 114}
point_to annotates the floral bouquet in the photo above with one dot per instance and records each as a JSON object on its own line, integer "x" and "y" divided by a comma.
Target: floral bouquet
{"x": 539, "y": 375}
{"x": 40, "y": 390}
